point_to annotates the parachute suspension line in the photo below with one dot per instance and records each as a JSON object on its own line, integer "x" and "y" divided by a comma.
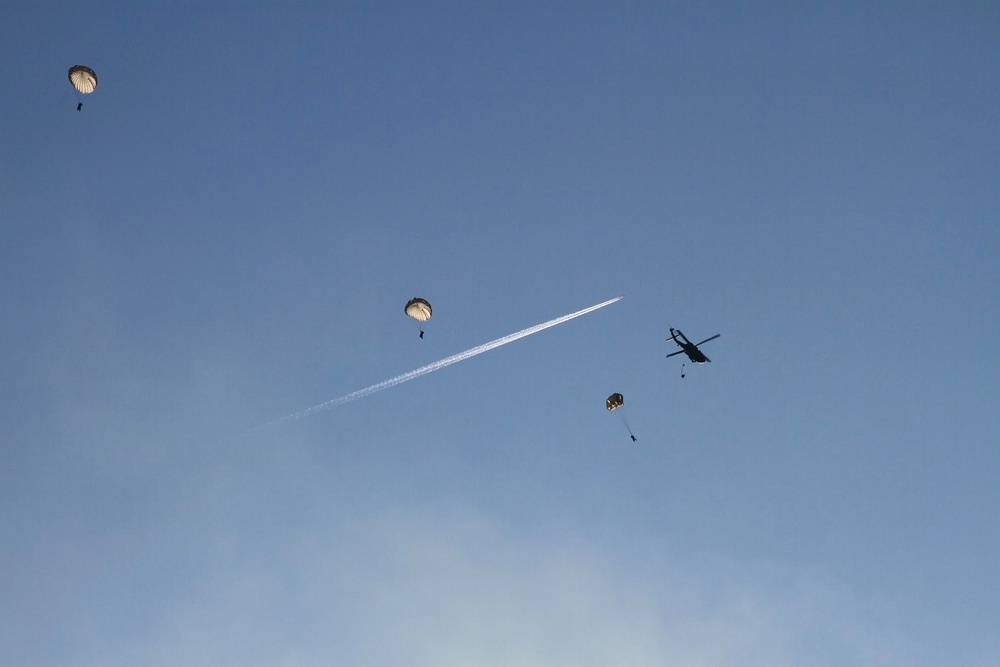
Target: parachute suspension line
{"x": 627, "y": 427}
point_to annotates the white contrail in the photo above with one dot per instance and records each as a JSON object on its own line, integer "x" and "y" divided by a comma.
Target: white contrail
{"x": 437, "y": 365}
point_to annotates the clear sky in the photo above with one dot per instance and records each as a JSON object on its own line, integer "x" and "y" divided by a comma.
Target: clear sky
{"x": 227, "y": 234}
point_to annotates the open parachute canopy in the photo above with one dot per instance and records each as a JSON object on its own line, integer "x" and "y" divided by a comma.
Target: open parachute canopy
{"x": 419, "y": 309}
{"x": 615, "y": 401}
{"x": 83, "y": 79}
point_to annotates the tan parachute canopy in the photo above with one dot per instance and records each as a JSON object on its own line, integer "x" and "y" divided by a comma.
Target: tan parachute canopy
{"x": 419, "y": 309}
{"x": 83, "y": 79}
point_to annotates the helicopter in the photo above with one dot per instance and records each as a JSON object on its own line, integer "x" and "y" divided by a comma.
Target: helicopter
{"x": 687, "y": 347}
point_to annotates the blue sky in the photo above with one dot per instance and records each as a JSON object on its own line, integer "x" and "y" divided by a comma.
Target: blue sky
{"x": 228, "y": 231}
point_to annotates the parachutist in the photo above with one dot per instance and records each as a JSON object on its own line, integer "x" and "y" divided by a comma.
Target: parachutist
{"x": 615, "y": 402}
{"x": 419, "y": 309}
{"x": 84, "y": 80}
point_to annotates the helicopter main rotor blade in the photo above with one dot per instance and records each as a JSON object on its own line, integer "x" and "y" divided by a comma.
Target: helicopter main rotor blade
{"x": 707, "y": 339}
{"x": 674, "y": 354}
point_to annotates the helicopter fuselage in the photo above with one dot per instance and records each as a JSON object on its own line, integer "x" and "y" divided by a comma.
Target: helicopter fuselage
{"x": 695, "y": 355}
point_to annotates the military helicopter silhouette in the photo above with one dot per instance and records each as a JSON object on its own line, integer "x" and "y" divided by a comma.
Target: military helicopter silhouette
{"x": 687, "y": 347}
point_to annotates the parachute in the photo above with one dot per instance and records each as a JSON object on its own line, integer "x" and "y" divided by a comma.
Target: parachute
{"x": 614, "y": 402}
{"x": 84, "y": 80}
{"x": 419, "y": 309}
